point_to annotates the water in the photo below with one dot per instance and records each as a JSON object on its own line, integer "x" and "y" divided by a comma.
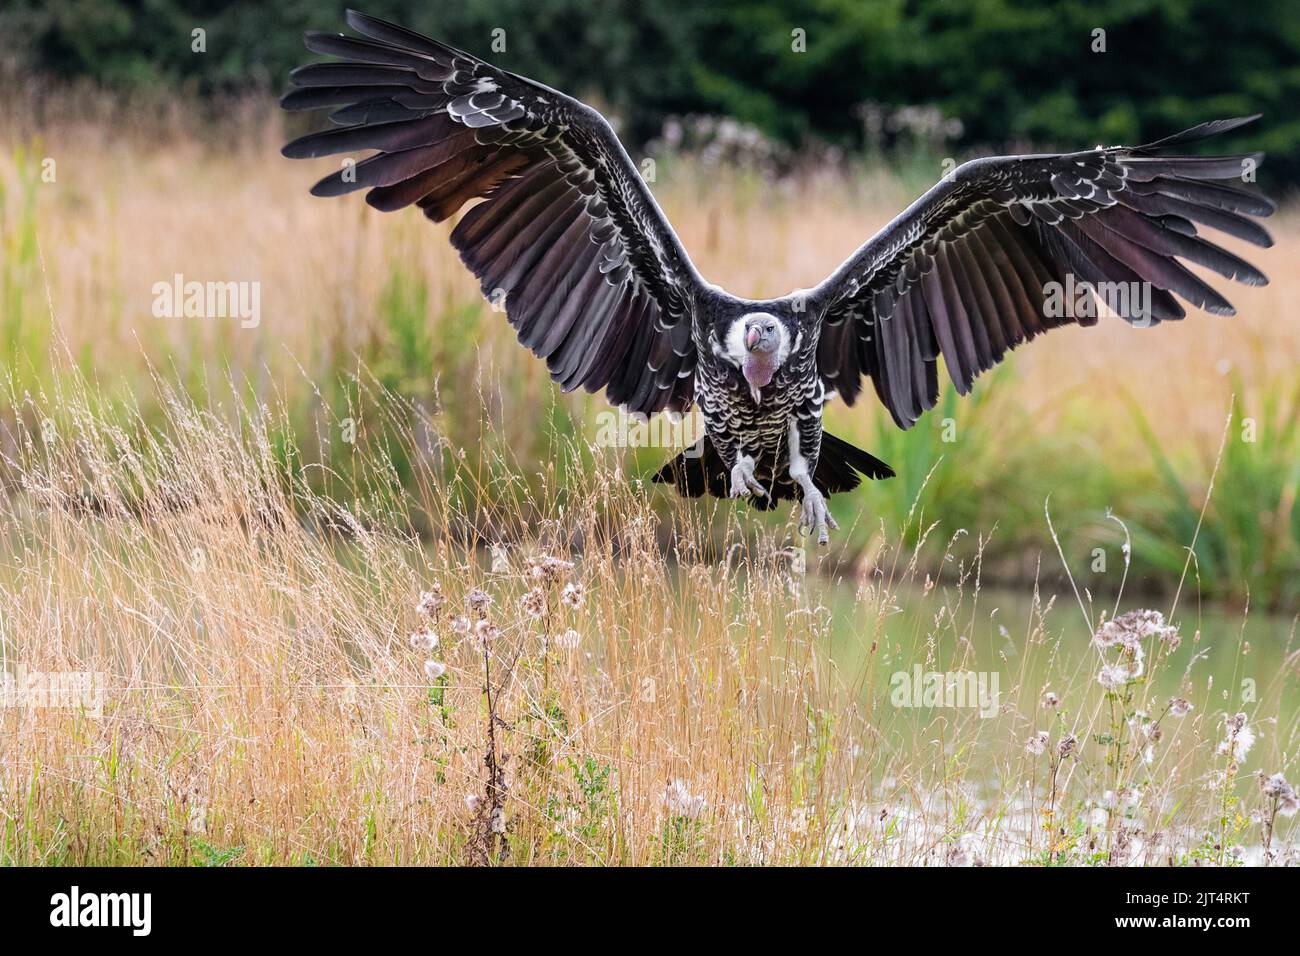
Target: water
{"x": 1227, "y": 659}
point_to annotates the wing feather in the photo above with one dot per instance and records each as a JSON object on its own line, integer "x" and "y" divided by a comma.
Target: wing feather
{"x": 595, "y": 280}
{"x": 970, "y": 270}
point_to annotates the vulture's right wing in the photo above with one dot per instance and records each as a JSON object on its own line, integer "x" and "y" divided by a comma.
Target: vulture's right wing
{"x": 593, "y": 278}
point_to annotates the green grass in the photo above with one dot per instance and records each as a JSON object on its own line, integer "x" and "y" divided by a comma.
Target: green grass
{"x": 1248, "y": 545}
{"x": 23, "y": 342}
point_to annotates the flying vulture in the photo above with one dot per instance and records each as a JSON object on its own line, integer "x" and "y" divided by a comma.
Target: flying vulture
{"x": 596, "y": 282}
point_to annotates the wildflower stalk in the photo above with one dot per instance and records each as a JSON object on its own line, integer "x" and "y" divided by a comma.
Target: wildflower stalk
{"x": 1051, "y": 809}
{"x": 1279, "y": 797}
{"x": 543, "y": 743}
{"x": 546, "y": 657}
{"x": 1269, "y": 816}
{"x": 496, "y": 797}
{"x": 1234, "y": 748}
{"x": 1229, "y": 773}
{"x": 1121, "y": 678}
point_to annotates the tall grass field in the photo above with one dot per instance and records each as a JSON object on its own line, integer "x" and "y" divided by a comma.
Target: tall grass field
{"x": 353, "y": 583}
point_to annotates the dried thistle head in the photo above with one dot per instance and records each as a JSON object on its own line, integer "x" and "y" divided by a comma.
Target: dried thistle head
{"x": 534, "y": 603}
{"x": 548, "y": 570}
{"x": 1130, "y": 629}
{"x": 1277, "y": 788}
{"x": 486, "y": 631}
{"x": 1240, "y": 738}
{"x": 424, "y": 641}
{"x": 477, "y": 601}
{"x": 574, "y": 595}
{"x": 1274, "y": 786}
{"x": 431, "y": 602}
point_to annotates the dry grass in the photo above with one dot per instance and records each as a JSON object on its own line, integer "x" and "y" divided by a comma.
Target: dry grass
{"x": 264, "y": 705}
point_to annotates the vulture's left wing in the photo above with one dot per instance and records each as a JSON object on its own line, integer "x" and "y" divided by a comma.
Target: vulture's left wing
{"x": 994, "y": 254}
{"x": 592, "y": 276}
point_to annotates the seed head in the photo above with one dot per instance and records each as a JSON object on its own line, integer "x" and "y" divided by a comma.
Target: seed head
{"x": 1112, "y": 675}
{"x": 573, "y": 595}
{"x": 534, "y": 603}
{"x": 1277, "y": 788}
{"x": 1239, "y": 740}
{"x": 680, "y": 802}
{"x": 431, "y": 602}
{"x": 1274, "y": 786}
{"x": 1132, "y": 628}
{"x": 424, "y": 641}
{"x": 478, "y": 601}
{"x": 547, "y": 569}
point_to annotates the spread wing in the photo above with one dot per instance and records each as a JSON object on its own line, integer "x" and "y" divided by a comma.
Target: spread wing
{"x": 593, "y": 278}
{"x": 967, "y": 271}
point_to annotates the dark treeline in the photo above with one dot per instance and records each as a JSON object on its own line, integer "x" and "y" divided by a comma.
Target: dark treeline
{"x": 1014, "y": 72}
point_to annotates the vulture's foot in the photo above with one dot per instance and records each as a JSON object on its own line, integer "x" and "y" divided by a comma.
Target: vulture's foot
{"x": 816, "y": 515}
{"x": 743, "y": 481}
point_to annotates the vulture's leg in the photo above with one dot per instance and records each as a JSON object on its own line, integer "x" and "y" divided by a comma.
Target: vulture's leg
{"x": 805, "y": 443}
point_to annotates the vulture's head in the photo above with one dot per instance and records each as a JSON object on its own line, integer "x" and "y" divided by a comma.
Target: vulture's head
{"x": 759, "y": 343}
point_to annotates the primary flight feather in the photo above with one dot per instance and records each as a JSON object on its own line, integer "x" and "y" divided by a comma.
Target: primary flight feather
{"x": 595, "y": 281}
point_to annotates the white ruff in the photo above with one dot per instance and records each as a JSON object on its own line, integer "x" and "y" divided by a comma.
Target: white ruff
{"x": 735, "y": 343}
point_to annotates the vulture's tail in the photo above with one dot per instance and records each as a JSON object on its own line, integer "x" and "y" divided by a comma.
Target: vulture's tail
{"x": 840, "y": 463}
{"x": 839, "y": 468}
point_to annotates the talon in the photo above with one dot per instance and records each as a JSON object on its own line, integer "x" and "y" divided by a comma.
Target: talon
{"x": 743, "y": 481}
{"x": 816, "y": 515}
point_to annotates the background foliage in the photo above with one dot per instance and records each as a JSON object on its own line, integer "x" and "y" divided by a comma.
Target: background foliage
{"x": 1013, "y": 72}
{"x": 149, "y": 136}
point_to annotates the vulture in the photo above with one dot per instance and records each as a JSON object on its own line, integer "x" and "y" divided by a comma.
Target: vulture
{"x": 561, "y": 227}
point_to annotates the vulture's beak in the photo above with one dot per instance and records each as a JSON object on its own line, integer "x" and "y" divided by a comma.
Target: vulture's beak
{"x": 752, "y": 335}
